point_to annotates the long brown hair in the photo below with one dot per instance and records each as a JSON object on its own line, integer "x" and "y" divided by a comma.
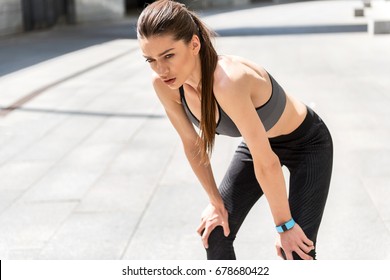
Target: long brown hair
{"x": 169, "y": 17}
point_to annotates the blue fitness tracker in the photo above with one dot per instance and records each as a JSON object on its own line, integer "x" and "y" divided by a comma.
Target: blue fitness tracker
{"x": 286, "y": 226}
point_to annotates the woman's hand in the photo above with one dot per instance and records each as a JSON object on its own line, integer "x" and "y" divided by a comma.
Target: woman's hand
{"x": 212, "y": 217}
{"x": 294, "y": 240}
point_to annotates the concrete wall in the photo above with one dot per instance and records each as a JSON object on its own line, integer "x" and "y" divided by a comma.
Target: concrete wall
{"x": 11, "y": 17}
{"x": 97, "y": 10}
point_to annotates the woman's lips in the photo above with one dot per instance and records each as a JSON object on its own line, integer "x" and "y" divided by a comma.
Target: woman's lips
{"x": 170, "y": 81}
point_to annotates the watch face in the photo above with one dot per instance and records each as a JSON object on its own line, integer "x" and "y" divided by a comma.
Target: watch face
{"x": 286, "y": 226}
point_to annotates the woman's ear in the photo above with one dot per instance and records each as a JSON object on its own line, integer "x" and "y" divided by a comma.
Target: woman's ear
{"x": 195, "y": 44}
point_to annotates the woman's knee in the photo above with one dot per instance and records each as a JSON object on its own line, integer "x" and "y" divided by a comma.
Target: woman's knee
{"x": 220, "y": 246}
{"x": 295, "y": 256}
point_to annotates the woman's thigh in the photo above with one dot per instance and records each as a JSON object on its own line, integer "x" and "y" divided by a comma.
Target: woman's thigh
{"x": 239, "y": 188}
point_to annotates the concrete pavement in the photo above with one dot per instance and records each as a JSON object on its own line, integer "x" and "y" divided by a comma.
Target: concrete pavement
{"x": 91, "y": 168}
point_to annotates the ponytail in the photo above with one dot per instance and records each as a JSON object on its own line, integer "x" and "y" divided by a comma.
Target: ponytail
{"x": 209, "y": 59}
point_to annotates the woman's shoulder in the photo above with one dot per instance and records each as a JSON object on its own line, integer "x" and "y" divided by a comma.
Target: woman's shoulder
{"x": 163, "y": 92}
{"x": 234, "y": 73}
{"x": 228, "y": 72}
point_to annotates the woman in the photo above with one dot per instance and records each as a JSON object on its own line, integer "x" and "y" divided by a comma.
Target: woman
{"x": 232, "y": 96}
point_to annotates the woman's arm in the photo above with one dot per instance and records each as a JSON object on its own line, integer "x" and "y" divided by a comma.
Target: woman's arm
{"x": 216, "y": 213}
{"x": 235, "y": 100}
{"x": 233, "y": 94}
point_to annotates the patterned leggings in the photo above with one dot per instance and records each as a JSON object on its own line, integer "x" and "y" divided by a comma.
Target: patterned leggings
{"x": 307, "y": 152}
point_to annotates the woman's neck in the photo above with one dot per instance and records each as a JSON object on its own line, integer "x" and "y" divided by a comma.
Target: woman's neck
{"x": 195, "y": 78}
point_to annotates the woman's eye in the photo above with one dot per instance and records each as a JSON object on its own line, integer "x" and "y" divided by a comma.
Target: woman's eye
{"x": 169, "y": 56}
{"x": 148, "y": 60}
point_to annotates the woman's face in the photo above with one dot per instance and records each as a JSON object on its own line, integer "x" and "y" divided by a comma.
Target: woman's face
{"x": 173, "y": 61}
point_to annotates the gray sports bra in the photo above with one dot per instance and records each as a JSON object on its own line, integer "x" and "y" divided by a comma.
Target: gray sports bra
{"x": 269, "y": 113}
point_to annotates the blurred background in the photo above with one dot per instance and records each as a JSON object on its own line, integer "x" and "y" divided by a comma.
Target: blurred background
{"x": 90, "y": 167}
{"x": 27, "y": 15}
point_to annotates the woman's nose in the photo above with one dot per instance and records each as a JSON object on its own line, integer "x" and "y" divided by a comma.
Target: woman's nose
{"x": 162, "y": 70}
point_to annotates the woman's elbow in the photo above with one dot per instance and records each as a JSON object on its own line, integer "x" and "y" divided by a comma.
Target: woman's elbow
{"x": 190, "y": 147}
{"x": 268, "y": 167}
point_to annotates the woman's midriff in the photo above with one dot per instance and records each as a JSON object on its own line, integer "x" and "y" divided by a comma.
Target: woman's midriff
{"x": 293, "y": 115}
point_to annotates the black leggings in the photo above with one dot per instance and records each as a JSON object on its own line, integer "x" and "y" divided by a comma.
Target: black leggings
{"x": 308, "y": 154}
